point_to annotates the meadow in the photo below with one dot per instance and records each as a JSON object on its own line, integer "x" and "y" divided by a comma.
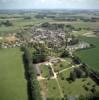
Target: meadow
{"x": 50, "y": 89}
{"x": 75, "y": 88}
{"x": 13, "y": 85}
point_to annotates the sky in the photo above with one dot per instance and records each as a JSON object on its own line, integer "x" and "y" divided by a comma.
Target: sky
{"x": 49, "y": 4}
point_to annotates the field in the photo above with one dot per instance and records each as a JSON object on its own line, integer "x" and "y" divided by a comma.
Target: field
{"x": 90, "y": 56}
{"x": 54, "y": 89}
{"x": 79, "y": 24}
{"x": 13, "y": 85}
{"x": 44, "y": 70}
{"x": 62, "y": 65}
{"x": 75, "y": 88}
{"x": 50, "y": 89}
{"x": 20, "y": 21}
{"x": 19, "y": 24}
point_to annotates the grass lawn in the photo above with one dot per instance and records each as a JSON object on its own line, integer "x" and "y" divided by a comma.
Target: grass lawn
{"x": 51, "y": 89}
{"x": 75, "y": 88}
{"x": 62, "y": 65}
{"x": 13, "y": 85}
{"x": 44, "y": 70}
{"x": 90, "y": 56}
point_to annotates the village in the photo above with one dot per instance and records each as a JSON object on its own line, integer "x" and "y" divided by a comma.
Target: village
{"x": 53, "y": 56}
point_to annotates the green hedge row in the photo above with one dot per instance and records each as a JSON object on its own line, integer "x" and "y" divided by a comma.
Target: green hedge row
{"x": 31, "y": 76}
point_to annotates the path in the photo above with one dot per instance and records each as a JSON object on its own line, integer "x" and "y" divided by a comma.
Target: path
{"x": 68, "y": 68}
{"x": 55, "y": 76}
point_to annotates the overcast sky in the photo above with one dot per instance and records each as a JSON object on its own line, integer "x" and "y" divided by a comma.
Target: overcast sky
{"x": 49, "y": 4}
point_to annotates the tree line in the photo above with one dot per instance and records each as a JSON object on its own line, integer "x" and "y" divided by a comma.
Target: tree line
{"x": 33, "y": 84}
{"x": 6, "y": 23}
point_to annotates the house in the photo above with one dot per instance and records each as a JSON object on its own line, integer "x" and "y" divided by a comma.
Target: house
{"x": 37, "y": 70}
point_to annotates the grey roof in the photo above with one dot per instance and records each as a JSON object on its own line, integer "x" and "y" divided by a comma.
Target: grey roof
{"x": 37, "y": 70}
{"x": 72, "y": 98}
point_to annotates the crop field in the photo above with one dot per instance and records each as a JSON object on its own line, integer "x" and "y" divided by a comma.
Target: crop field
{"x": 90, "y": 56}
{"x": 13, "y": 85}
{"x": 19, "y": 23}
{"x": 78, "y": 24}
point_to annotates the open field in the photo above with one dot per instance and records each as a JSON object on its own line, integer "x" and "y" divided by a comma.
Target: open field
{"x": 13, "y": 85}
{"x": 75, "y": 88}
{"x": 90, "y": 56}
{"x": 18, "y": 24}
{"x": 44, "y": 70}
{"x": 50, "y": 89}
{"x": 79, "y": 24}
{"x": 62, "y": 65}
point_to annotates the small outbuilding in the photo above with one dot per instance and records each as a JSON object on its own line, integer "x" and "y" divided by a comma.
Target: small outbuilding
{"x": 37, "y": 70}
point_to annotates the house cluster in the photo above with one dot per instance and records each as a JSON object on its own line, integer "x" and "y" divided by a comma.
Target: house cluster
{"x": 51, "y": 38}
{"x": 10, "y": 41}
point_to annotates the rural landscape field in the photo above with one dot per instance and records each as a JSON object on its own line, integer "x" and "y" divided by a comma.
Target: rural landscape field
{"x": 13, "y": 85}
{"x": 50, "y": 52}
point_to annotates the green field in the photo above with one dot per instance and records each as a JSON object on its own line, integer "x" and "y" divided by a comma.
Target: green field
{"x": 81, "y": 24}
{"x": 90, "y": 56}
{"x": 51, "y": 89}
{"x": 75, "y": 88}
{"x": 13, "y": 85}
{"x": 62, "y": 65}
{"x": 44, "y": 70}
{"x": 18, "y": 24}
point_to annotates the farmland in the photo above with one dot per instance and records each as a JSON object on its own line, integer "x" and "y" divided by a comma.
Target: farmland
{"x": 13, "y": 85}
{"x": 90, "y": 56}
{"x": 18, "y": 24}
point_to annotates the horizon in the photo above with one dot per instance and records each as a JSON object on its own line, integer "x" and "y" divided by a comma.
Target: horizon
{"x": 49, "y": 4}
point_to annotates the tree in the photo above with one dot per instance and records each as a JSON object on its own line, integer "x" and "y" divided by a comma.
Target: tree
{"x": 7, "y": 23}
{"x": 65, "y": 53}
{"x": 78, "y": 72}
{"x": 33, "y": 84}
{"x": 46, "y": 25}
{"x": 76, "y": 60}
{"x": 85, "y": 69}
{"x": 40, "y": 55}
{"x": 72, "y": 75}
{"x": 65, "y": 97}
